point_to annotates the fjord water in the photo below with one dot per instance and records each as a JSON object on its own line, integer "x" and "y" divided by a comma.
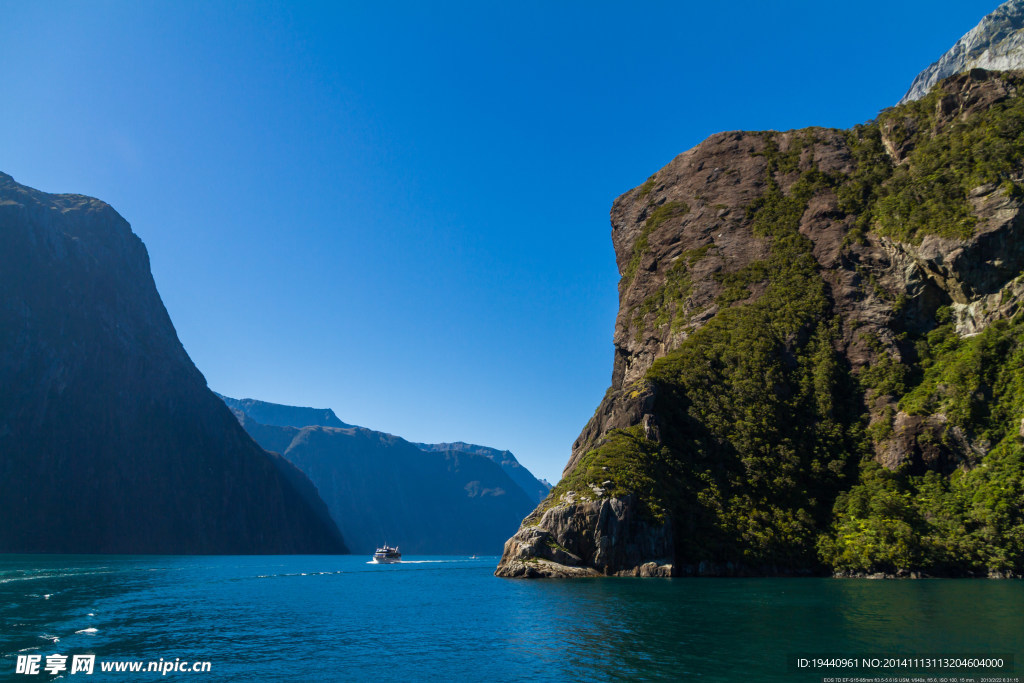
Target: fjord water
{"x": 305, "y": 618}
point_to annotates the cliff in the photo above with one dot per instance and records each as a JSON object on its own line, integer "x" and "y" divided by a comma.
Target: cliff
{"x": 996, "y": 43}
{"x": 110, "y": 441}
{"x": 819, "y": 359}
{"x": 381, "y": 488}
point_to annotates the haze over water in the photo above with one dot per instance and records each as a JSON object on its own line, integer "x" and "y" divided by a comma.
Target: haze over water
{"x": 339, "y": 618}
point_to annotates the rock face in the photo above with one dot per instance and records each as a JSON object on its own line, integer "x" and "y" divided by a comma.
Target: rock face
{"x": 110, "y": 441}
{"x": 593, "y": 538}
{"x": 816, "y": 348}
{"x": 995, "y": 44}
{"x": 381, "y": 488}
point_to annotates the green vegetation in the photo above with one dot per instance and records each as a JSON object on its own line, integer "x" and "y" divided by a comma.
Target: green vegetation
{"x": 754, "y": 402}
{"x": 659, "y": 215}
{"x": 973, "y": 520}
{"x": 646, "y": 188}
{"x": 669, "y": 302}
{"x": 633, "y": 464}
{"x": 736, "y": 285}
{"x": 766, "y": 453}
{"x": 886, "y": 376}
{"x": 555, "y": 545}
{"x": 927, "y": 195}
{"x": 976, "y": 382}
{"x": 753, "y": 408}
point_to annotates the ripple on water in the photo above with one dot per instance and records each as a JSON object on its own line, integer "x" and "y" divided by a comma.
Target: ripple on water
{"x": 325, "y": 618}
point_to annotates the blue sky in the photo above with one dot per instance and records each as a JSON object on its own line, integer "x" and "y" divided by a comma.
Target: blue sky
{"x": 400, "y": 210}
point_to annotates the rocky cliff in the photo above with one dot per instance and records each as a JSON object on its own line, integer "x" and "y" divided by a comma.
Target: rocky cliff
{"x": 819, "y": 361}
{"x": 110, "y": 441}
{"x": 381, "y": 488}
{"x": 996, "y": 43}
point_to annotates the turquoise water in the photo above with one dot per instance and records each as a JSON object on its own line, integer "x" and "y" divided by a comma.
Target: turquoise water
{"x": 304, "y": 618}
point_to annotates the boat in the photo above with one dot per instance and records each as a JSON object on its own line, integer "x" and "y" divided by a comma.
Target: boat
{"x": 387, "y": 555}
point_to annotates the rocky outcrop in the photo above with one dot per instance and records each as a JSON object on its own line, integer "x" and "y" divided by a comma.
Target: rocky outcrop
{"x": 921, "y": 443}
{"x": 995, "y": 44}
{"x": 777, "y": 295}
{"x": 110, "y": 441}
{"x": 593, "y": 538}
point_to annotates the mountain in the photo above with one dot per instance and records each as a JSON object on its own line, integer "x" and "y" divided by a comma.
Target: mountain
{"x": 996, "y": 43}
{"x": 381, "y": 488}
{"x": 276, "y": 414}
{"x": 110, "y": 441}
{"x": 819, "y": 357}
{"x": 282, "y": 415}
{"x": 535, "y": 488}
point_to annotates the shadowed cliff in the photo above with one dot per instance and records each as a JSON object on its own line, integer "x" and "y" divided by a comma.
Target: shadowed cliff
{"x": 110, "y": 441}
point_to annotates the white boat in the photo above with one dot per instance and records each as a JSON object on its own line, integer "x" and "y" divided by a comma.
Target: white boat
{"x": 387, "y": 555}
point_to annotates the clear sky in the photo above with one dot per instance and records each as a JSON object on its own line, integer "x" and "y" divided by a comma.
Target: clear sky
{"x": 399, "y": 210}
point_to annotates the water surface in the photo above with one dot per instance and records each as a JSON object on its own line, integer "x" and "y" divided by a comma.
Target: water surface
{"x": 300, "y": 618}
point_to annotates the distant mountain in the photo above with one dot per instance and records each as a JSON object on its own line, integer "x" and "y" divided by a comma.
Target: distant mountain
{"x": 110, "y": 441}
{"x": 427, "y": 498}
{"x": 996, "y": 43}
{"x": 282, "y": 415}
{"x": 380, "y": 488}
{"x": 536, "y": 489}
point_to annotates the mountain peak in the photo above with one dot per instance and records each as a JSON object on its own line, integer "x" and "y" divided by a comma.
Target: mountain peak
{"x": 996, "y": 44}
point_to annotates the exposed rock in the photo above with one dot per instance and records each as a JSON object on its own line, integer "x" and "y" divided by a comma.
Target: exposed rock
{"x": 928, "y": 442}
{"x": 995, "y": 44}
{"x": 688, "y": 252}
{"x": 600, "y": 537}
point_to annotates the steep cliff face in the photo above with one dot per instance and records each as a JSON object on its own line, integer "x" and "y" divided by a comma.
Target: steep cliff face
{"x": 818, "y": 357}
{"x": 110, "y": 441}
{"x": 996, "y": 43}
{"x": 381, "y": 488}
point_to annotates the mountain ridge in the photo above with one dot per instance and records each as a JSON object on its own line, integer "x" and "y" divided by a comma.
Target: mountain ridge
{"x": 381, "y": 488}
{"x": 281, "y": 415}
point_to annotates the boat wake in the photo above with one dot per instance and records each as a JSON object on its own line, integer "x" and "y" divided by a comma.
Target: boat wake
{"x": 421, "y": 562}
{"x": 473, "y": 564}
